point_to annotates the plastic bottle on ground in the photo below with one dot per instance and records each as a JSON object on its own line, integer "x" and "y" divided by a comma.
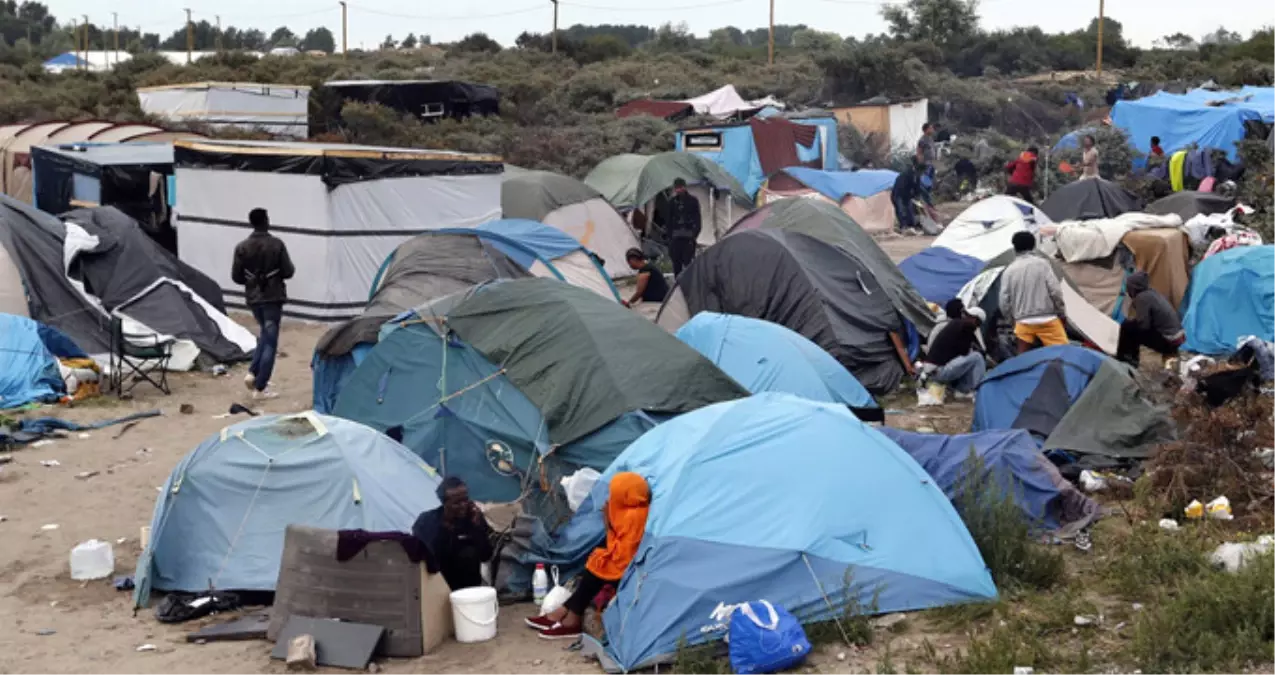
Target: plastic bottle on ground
{"x": 539, "y": 583}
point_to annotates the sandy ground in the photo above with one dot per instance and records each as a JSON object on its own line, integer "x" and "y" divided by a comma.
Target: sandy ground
{"x": 51, "y": 623}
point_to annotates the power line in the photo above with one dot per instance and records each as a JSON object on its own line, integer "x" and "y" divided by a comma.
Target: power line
{"x": 613, "y": 8}
{"x": 431, "y": 17}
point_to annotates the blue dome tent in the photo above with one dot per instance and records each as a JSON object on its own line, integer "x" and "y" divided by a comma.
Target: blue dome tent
{"x": 785, "y": 499}
{"x": 1232, "y": 294}
{"x": 28, "y": 368}
{"x": 220, "y": 519}
{"x": 939, "y": 273}
{"x": 765, "y": 356}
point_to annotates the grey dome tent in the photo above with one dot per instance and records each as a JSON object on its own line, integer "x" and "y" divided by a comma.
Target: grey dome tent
{"x": 803, "y": 283}
{"x": 1189, "y": 204}
{"x": 1090, "y": 200}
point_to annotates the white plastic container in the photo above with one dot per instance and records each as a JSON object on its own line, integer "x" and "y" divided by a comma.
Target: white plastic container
{"x": 474, "y": 613}
{"x": 539, "y": 584}
{"x": 92, "y": 559}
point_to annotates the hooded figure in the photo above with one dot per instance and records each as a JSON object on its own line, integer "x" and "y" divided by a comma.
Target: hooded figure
{"x": 1154, "y": 324}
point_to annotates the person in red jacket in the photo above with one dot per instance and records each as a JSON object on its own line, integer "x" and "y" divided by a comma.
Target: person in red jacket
{"x": 1022, "y": 175}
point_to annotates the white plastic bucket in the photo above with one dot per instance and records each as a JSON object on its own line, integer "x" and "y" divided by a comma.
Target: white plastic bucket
{"x": 474, "y": 613}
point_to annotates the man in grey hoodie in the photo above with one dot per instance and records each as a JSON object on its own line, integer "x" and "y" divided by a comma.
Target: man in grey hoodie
{"x": 1031, "y": 297}
{"x": 1154, "y": 324}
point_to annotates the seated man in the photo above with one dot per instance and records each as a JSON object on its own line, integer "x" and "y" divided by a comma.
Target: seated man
{"x": 651, "y": 284}
{"x": 456, "y": 534}
{"x": 957, "y": 353}
{"x": 1154, "y": 324}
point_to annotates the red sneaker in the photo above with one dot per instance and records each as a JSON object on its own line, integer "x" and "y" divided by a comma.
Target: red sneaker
{"x": 541, "y": 623}
{"x": 560, "y": 632}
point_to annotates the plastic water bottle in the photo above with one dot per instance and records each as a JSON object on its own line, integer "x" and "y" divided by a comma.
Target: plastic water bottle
{"x": 92, "y": 559}
{"x": 539, "y": 583}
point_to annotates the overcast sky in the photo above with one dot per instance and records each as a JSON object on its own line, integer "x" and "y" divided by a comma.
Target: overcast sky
{"x": 370, "y": 20}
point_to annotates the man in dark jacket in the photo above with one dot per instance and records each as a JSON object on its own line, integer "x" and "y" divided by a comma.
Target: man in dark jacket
{"x": 262, "y": 266}
{"x": 903, "y": 193}
{"x": 456, "y": 534}
{"x": 684, "y": 225}
{"x": 1154, "y": 324}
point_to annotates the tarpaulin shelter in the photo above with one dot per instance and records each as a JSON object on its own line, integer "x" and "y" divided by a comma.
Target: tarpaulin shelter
{"x": 1232, "y": 295}
{"x": 864, "y": 194}
{"x": 821, "y": 537}
{"x": 831, "y": 225}
{"x": 798, "y": 281}
{"x": 1188, "y": 204}
{"x": 28, "y": 370}
{"x": 1162, "y": 253}
{"x": 435, "y": 264}
{"x": 220, "y": 518}
{"x": 78, "y": 272}
{"x": 897, "y": 123}
{"x": 132, "y": 177}
{"x": 340, "y": 209}
{"x": 640, "y": 182}
{"x": 754, "y": 150}
{"x": 1072, "y": 399}
{"x": 765, "y": 356}
{"x": 985, "y": 229}
{"x": 16, "y": 141}
{"x": 1011, "y": 461}
{"x": 576, "y": 209}
{"x": 1202, "y": 118}
{"x": 278, "y": 109}
{"x": 939, "y": 273}
{"x": 1088, "y": 199}
{"x": 428, "y": 100}
{"x": 726, "y": 102}
{"x": 500, "y": 383}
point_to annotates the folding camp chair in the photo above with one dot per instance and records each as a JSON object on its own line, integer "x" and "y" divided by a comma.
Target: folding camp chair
{"x": 138, "y": 357}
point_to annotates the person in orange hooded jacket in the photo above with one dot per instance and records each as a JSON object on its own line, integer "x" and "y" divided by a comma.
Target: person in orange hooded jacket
{"x": 626, "y": 510}
{"x": 1022, "y": 175}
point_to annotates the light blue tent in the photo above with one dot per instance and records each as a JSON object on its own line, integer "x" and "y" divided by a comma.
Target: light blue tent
{"x": 1208, "y": 119}
{"x": 220, "y": 518}
{"x": 779, "y": 498}
{"x": 28, "y": 370}
{"x": 1232, "y": 294}
{"x": 765, "y": 356}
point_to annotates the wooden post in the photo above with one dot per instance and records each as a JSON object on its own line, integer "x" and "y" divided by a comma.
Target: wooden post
{"x": 190, "y": 38}
{"x": 344, "y": 30}
{"x": 770, "y": 49}
{"x": 554, "y": 38}
{"x": 115, "y": 31}
{"x": 1101, "y": 21}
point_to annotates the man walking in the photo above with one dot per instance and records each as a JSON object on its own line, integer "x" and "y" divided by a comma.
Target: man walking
{"x": 684, "y": 226}
{"x": 1022, "y": 175}
{"x": 1031, "y": 297}
{"x": 262, "y": 266}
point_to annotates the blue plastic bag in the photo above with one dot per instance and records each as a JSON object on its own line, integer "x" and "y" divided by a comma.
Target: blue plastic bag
{"x": 764, "y": 639}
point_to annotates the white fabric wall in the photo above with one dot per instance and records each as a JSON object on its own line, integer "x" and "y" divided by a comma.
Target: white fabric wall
{"x": 599, "y": 228}
{"x": 906, "y": 120}
{"x": 280, "y": 111}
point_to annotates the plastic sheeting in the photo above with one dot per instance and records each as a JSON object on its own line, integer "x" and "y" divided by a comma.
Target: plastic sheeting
{"x": 765, "y": 356}
{"x": 821, "y": 537}
{"x": 724, "y": 102}
{"x": 28, "y": 371}
{"x": 1078, "y": 241}
{"x": 280, "y": 110}
{"x": 1232, "y": 295}
{"x": 1182, "y": 120}
{"x": 1188, "y": 204}
{"x": 220, "y": 518}
{"x": 985, "y": 230}
{"x": 836, "y": 185}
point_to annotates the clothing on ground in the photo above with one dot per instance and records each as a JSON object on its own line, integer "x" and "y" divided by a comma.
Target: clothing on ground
{"x": 656, "y": 285}
{"x": 963, "y": 373}
{"x": 262, "y": 265}
{"x": 1151, "y": 311}
{"x": 956, "y": 339}
{"x": 1050, "y": 333}
{"x": 268, "y": 316}
{"x": 1030, "y": 290}
{"x": 627, "y": 507}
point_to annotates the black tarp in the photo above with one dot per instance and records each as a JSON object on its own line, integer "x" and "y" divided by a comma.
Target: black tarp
{"x": 1189, "y": 204}
{"x": 425, "y": 99}
{"x": 1089, "y": 200}
{"x": 807, "y": 285}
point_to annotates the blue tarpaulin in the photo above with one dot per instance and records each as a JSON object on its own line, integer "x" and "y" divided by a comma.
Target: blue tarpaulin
{"x": 28, "y": 370}
{"x": 1210, "y": 119}
{"x": 836, "y": 185}
{"x": 1232, "y": 294}
{"x": 939, "y": 273}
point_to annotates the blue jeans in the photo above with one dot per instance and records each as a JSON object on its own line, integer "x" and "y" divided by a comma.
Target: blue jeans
{"x": 268, "y": 316}
{"x": 963, "y": 373}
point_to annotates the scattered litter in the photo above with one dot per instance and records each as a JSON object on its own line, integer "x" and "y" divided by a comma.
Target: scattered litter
{"x": 1092, "y": 481}
{"x": 48, "y": 463}
{"x": 146, "y": 648}
{"x": 45, "y": 632}
{"x": 84, "y": 436}
{"x": 1083, "y": 620}
{"x": 3, "y": 518}
{"x": 841, "y": 656}
{"x": 85, "y": 475}
{"x": 373, "y": 668}
{"x": 925, "y": 430}
{"x": 888, "y": 620}
{"x": 50, "y": 527}
{"x": 124, "y": 430}
{"x": 92, "y": 559}
{"x": 1137, "y": 606}
{"x": 1267, "y": 456}
{"x": 1120, "y": 625}
{"x": 123, "y": 583}
{"x": 187, "y": 409}
{"x": 1219, "y": 509}
{"x": 1194, "y": 510}
{"x": 1232, "y": 557}
{"x": 218, "y": 370}
{"x": 222, "y": 416}
{"x": 121, "y": 540}
{"x": 537, "y": 662}
{"x": 5, "y": 459}
{"x": 42, "y": 443}
{"x": 1168, "y": 524}
{"x": 1023, "y": 670}
{"x": 53, "y": 604}
{"x": 143, "y": 451}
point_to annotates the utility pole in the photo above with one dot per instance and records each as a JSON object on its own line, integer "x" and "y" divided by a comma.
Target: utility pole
{"x": 1101, "y": 20}
{"x": 770, "y": 49}
{"x": 87, "y": 65}
{"x": 75, "y": 36}
{"x": 115, "y": 31}
{"x": 190, "y": 38}
{"x": 345, "y": 30}
{"x": 218, "y": 41}
{"x": 554, "y": 39}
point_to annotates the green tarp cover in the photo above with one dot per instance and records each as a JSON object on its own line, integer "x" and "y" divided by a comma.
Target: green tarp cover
{"x": 1111, "y": 419}
{"x": 535, "y": 194}
{"x": 631, "y": 181}
{"x": 584, "y": 360}
{"x": 828, "y": 223}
